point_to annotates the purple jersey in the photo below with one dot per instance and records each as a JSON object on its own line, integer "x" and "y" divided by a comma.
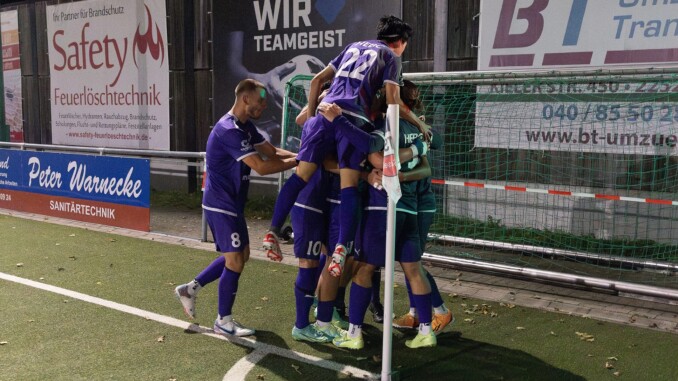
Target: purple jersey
{"x": 359, "y": 72}
{"x": 228, "y": 178}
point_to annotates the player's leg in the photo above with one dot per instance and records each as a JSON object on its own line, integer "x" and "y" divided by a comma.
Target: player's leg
{"x": 232, "y": 239}
{"x": 187, "y": 293}
{"x": 442, "y": 316}
{"x": 376, "y": 308}
{"x": 369, "y": 255}
{"x": 348, "y": 218}
{"x": 308, "y": 244}
{"x": 409, "y": 255}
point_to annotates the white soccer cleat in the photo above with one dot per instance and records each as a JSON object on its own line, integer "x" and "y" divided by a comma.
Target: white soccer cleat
{"x": 271, "y": 245}
{"x": 232, "y": 328}
{"x": 338, "y": 259}
{"x": 187, "y": 300}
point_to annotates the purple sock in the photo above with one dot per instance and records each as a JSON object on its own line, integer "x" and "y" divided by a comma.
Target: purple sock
{"x": 228, "y": 287}
{"x": 376, "y": 287}
{"x": 359, "y": 300}
{"x": 423, "y": 303}
{"x": 348, "y": 220}
{"x": 303, "y": 295}
{"x": 212, "y": 272}
{"x": 409, "y": 293}
{"x": 325, "y": 310}
{"x": 436, "y": 299}
{"x": 286, "y": 198}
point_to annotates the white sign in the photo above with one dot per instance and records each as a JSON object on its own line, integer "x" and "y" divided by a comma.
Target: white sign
{"x": 109, "y": 74}
{"x": 546, "y": 34}
{"x": 595, "y": 117}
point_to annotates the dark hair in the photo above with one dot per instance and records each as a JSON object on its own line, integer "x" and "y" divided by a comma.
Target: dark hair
{"x": 325, "y": 86}
{"x": 409, "y": 93}
{"x": 247, "y": 85}
{"x": 392, "y": 29}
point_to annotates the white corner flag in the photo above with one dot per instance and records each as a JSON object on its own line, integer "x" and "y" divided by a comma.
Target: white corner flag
{"x": 391, "y": 184}
{"x": 390, "y": 180}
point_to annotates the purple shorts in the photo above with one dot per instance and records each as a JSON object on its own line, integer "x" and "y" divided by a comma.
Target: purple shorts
{"x": 319, "y": 138}
{"x": 371, "y": 238}
{"x": 229, "y": 232}
{"x": 310, "y": 233}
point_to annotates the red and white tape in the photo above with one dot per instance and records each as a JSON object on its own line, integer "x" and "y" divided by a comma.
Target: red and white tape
{"x": 555, "y": 192}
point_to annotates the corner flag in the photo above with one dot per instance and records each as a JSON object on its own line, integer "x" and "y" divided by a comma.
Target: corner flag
{"x": 391, "y": 167}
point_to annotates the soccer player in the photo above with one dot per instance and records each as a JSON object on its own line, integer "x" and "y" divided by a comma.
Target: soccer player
{"x": 426, "y": 208}
{"x": 370, "y": 244}
{"x": 357, "y": 74}
{"x": 234, "y": 148}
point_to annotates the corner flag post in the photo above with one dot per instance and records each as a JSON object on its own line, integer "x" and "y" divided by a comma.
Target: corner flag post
{"x": 392, "y": 186}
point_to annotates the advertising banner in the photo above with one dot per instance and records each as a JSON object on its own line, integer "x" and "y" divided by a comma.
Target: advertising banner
{"x": 274, "y": 40}
{"x": 109, "y": 74}
{"x": 11, "y": 70}
{"x": 104, "y": 190}
{"x": 544, "y": 34}
{"x": 604, "y": 116}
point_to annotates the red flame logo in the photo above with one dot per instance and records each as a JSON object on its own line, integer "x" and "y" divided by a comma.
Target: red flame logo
{"x": 143, "y": 42}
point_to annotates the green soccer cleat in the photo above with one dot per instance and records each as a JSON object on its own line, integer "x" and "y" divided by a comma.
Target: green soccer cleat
{"x": 310, "y": 334}
{"x": 345, "y": 341}
{"x": 337, "y": 321}
{"x": 422, "y": 341}
{"x": 330, "y": 330}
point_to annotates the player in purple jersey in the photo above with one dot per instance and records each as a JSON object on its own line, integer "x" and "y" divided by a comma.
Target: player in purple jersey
{"x": 357, "y": 74}
{"x": 234, "y": 148}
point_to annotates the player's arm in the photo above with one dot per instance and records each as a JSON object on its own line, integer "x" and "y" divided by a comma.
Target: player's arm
{"x": 377, "y": 158}
{"x": 269, "y": 150}
{"x": 421, "y": 171}
{"x": 316, "y": 83}
{"x": 302, "y": 117}
{"x": 270, "y": 165}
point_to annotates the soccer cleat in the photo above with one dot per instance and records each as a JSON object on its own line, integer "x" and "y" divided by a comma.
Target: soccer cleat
{"x": 309, "y": 333}
{"x": 422, "y": 341}
{"x": 337, "y": 321}
{"x": 232, "y": 328}
{"x": 272, "y": 247}
{"x": 329, "y": 330}
{"x": 406, "y": 321}
{"x": 345, "y": 341}
{"x": 377, "y": 310}
{"x": 440, "y": 321}
{"x": 187, "y": 300}
{"x": 336, "y": 267}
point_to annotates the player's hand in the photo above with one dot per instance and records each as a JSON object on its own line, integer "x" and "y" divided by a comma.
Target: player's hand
{"x": 374, "y": 178}
{"x": 329, "y": 111}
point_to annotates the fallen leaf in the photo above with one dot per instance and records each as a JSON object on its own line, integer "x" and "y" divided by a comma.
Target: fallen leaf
{"x": 494, "y": 314}
{"x": 296, "y": 367}
{"x": 19, "y": 265}
{"x": 265, "y": 298}
{"x": 3, "y": 342}
{"x": 553, "y": 333}
{"x": 470, "y": 321}
{"x": 72, "y": 235}
{"x": 361, "y": 358}
{"x": 42, "y": 278}
{"x": 58, "y": 244}
{"x": 617, "y": 373}
{"x": 31, "y": 321}
{"x": 161, "y": 339}
{"x": 99, "y": 283}
{"x": 61, "y": 269}
{"x": 376, "y": 358}
{"x": 608, "y": 365}
{"x": 585, "y": 336}
{"x": 520, "y": 328}
{"x": 111, "y": 240}
{"x": 258, "y": 308}
{"x": 73, "y": 257}
{"x": 613, "y": 358}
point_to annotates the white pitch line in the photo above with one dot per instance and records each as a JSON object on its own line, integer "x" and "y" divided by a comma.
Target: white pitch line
{"x": 260, "y": 349}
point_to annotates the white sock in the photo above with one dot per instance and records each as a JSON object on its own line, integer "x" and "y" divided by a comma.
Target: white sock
{"x": 354, "y": 331}
{"x": 413, "y": 311}
{"x": 425, "y": 328}
{"x": 440, "y": 310}
{"x": 193, "y": 287}
{"x": 225, "y": 319}
{"x": 322, "y": 323}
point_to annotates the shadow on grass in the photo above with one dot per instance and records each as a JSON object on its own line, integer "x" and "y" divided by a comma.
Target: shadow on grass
{"x": 454, "y": 358}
